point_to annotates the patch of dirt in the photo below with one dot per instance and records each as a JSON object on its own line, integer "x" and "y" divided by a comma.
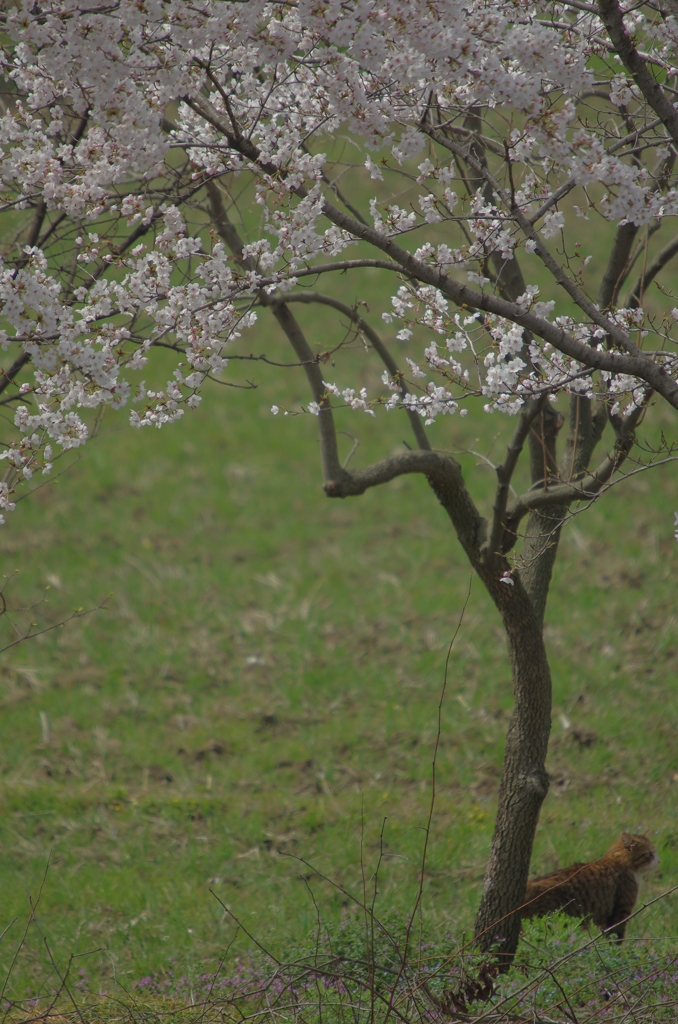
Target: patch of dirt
{"x": 213, "y": 747}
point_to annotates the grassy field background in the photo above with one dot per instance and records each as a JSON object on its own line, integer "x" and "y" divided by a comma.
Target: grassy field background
{"x": 264, "y": 680}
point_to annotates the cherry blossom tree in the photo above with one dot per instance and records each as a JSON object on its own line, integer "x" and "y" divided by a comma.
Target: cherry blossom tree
{"x": 482, "y": 136}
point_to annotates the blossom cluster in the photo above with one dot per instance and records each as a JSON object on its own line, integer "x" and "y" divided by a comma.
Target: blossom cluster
{"x": 475, "y": 124}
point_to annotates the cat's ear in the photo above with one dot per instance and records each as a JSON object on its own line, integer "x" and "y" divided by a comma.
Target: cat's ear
{"x": 627, "y": 840}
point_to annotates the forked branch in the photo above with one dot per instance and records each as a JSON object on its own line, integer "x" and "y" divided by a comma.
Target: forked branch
{"x": 620, "y": 336}
{"x": 612, "y": 17}
{"x": 376, "y": 343}
{"x": 617, "y": 264}
{"x": 588, "y": 486}
{"x": 442, "y": 471}
{"x": 505, "y": 472}
{"x": 445, "y": 476}
{"x": 648, "y": 275}
{"x": 332, "y": 468}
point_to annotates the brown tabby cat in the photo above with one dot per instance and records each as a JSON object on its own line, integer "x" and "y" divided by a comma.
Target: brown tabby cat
{"x": 604, "y": 891}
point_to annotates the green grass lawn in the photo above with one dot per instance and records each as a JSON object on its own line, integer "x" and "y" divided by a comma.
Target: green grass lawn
{"x": 263, "y": 686}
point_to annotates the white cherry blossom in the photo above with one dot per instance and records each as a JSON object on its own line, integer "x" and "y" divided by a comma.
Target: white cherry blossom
{"x": 124, "y": 115}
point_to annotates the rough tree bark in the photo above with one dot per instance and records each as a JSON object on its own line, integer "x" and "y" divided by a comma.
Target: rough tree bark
{"x": 524, "y": 782}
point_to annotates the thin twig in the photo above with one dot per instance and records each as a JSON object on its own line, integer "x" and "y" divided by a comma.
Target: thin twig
{"x": 31, "y": 918}
{"x": 247, "y": 933}
{"x": 427, "y": 830}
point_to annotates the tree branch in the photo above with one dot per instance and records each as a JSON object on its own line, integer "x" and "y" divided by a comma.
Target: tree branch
{"x": 543, "y": 443}
{"x": 332, "y": 468}
{"x": 360, "y": 480}
{"x": 51, "y": 229}
{"x": 226, "y": 230}
{"x": 587, "y": 487}
{"x": 34, "y": 230}
{"x": 334, "y": 185}
{"x": 41, "y": 210}
{"x": 648, "y": 275}
{"x": 7, "y": 376}
{"x": 636, "y": 365}
{"x": 561, "y": 192}
{"x": 613, "y": 19}
{"x": 442, "y": 471}
{"x": 509, "y": 276}
{"x": 343, "y": 265}
{"x": 445, "y": 477}
{"x": 617, "y": 263}
{"x": 377, "y": 344}
{"x": 505, "y": 471}
{"x": 579, "y": 445}
{"x": 560, "y": 276}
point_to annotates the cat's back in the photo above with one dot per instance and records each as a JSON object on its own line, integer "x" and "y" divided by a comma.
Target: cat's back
{"x": 540, "y": 886}
{"x": 571, "y": 889}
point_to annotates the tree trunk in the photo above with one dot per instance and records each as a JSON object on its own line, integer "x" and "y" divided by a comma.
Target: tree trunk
{"x": 524, "y": 782}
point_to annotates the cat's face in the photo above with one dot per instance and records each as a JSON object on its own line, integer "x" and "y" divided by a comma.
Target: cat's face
{"x": 641, "y": 853}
